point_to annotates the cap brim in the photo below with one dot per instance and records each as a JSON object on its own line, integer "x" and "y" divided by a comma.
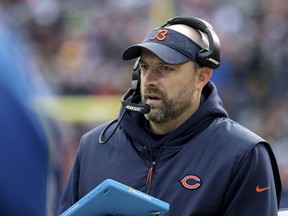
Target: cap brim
{"x": 165, "y": 53}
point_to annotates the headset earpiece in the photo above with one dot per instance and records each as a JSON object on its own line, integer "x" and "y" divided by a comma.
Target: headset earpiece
{"x": 210, "y": 57}
{"x": 136, "y": 77}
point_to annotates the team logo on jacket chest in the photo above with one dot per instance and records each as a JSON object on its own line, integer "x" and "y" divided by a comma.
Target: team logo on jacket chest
{"x": 191, "y": 182}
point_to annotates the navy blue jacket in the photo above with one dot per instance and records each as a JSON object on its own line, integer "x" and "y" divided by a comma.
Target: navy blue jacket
{"x": 210, "y": 165}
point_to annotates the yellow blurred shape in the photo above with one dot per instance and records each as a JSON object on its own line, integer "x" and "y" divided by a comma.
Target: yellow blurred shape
{"x": 81, "y": 109}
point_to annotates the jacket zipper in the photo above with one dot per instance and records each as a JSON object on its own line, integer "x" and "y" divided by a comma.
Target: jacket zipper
{"x": 151, "y": 169}
{"x": 149, "y": 177}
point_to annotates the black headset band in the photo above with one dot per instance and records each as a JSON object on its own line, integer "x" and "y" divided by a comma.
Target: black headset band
{"x": 210, "y": 57}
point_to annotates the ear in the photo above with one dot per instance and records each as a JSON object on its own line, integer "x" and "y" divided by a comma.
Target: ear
{"x": 204, "y": 75}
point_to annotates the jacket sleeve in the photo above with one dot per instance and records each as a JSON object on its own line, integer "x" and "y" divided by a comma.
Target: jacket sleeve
{"x": 70, "y": 195}
{"x": 252, "y": 189}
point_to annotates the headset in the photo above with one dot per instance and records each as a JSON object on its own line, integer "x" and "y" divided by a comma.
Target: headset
{"x": 135, "y": 90}
{"x": 127, "y": 104}
{"x": 206, "y": 57}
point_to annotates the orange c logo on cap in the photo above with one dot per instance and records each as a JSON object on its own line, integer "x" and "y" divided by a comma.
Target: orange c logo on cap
{"x": 194, "y": 182}
{"x": 161, "y": 35}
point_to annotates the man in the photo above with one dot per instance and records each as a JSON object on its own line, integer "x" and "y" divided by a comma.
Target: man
{"x": 179, "y": 145}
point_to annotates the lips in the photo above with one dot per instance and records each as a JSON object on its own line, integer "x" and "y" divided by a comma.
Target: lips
{"x": 152, "y": 99}
{"x": 152, "y": 96}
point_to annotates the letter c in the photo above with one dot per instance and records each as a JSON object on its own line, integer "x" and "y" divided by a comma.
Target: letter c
{"x": 195, "y": 180}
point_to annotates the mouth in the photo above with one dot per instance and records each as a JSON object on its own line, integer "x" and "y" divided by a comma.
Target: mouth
{"x": 152, "y": 99}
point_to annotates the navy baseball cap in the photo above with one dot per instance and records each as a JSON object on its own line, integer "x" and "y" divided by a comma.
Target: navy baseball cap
{"x": 168, "y": 45}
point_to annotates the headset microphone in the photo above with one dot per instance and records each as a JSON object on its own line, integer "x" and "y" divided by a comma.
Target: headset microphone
{"x": 134, "y": 90}
{"x": 128, "y": 105}
{"x": 141, "y": 108}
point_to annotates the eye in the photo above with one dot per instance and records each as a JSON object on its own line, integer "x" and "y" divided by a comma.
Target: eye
{"x": 166, "y": 68}
{"x": 144, "y": 67}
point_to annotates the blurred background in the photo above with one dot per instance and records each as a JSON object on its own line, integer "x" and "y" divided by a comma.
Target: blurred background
{"x": 77, "y": 48}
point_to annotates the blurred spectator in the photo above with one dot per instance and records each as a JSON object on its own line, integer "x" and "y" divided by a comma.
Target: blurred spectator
{"x": 25, "y": 148}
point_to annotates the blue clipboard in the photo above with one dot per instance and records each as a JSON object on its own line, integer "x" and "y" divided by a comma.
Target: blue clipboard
{"x": 111, "y": 198}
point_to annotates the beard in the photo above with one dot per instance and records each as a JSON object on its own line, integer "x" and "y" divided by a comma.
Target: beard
{"x": 170, "y": 108}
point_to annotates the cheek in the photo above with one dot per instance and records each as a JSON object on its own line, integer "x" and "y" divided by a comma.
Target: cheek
{"x": 187, "y": 90}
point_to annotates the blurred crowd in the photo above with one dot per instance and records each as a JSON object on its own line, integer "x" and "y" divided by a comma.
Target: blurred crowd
{"x": 78, "y": 46}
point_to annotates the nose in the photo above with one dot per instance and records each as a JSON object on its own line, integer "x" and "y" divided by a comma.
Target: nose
{"x": 149, "y": 77}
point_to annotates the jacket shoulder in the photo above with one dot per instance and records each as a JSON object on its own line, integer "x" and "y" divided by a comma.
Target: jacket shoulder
{"x": 229, "y": 129}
